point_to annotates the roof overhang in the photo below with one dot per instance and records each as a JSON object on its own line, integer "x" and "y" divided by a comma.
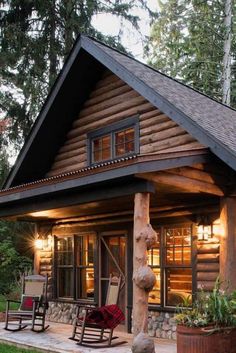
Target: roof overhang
{"x": 92, "y": 184}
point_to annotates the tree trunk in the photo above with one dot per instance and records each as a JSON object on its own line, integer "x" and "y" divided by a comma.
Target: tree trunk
{"x": 52, "y": 55}
{"x": 227, "y": 53}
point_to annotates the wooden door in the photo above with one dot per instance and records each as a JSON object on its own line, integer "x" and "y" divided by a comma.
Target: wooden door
{"x": 113, "y": 261}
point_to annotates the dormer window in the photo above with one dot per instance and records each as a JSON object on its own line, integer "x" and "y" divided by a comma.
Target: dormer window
{"x": 114, "y": 141}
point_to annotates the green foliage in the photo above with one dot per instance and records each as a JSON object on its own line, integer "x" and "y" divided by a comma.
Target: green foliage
{"x": 187, "y": 42}
{"x": 217, "y": 308}
{"x": 6, "y": 348}
{"x": 12, "y": 265}
{"x": 35, "y": 38}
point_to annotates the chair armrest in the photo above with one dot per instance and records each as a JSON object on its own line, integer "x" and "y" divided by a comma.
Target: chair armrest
{"x": 84, "y": 308}
{"x": 13, "y": 301}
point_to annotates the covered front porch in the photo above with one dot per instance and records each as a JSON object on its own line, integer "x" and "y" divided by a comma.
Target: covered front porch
{"x": 55, "y": 340}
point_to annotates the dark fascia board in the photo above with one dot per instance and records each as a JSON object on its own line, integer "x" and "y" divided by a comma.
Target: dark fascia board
{"x": 43, "y": 114}
{"x": 203, "y": 136}
{"x": 88, "y": 181}
{"x": 98, "y": 192}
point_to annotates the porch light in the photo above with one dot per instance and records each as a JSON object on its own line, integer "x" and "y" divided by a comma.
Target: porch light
{"x": 204, "y": 228}
{"x": 43, "y": 242}
{"x": 39, "y": 242}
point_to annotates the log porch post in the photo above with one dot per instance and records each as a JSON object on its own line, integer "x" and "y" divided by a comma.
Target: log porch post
{"x": 143, "y": 277}
{"x": 140, "y": 297}
{"x": 228, "y": 242}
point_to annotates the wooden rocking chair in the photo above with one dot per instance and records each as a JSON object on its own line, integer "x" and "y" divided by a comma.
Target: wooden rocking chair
{"x": 32, "y": 307}
{"x": 89, "y": 333}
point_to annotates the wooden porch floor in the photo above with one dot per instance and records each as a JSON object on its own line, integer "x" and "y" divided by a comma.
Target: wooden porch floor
{"x": 55, "y": 340}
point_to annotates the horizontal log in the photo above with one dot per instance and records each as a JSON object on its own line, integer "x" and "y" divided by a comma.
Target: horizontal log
{"x": 210, "y": 241}
{"x": 182, "y": 182}
{"x": 207, "y": 258}
{"x": 206, "y": 285}
{"x": 107, "y": 95}
{"x": 187, "y": 147}
{"x": 208, "y": 249}
{"x": 182, "y": 213}
{"x": 207, "y": 276}
{"x": 163, "y": 145}
{"x": 45, "y": 267}
{"x": 107, "y": 80}
{"x": 197, "y": 174}
{"x": 106, "y": 88}
{"x": 217, "y": 168}
{"x": 154, "y": 112}
{"x": 77, "y": 139}
{"x": 71, "y": 153}
{"x": 72, "y": 145}
{"x": 124, "y": 110}
{"x": 68, "y": 169}
{"x": 162, "y": 134}
{"x": 106, "y": 104}
{"x": 157, "y": 127}
{"x": 45, "y": 254}
{"x": 208, "y": 267}
{"x": 45, "y": 273}
{"x": 156, "y": 119}
{"x": 68, "y": 162}
{"x": 44, "y": 261}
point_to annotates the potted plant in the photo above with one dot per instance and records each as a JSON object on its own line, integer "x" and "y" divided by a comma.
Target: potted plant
{"x": 209, "y": 326}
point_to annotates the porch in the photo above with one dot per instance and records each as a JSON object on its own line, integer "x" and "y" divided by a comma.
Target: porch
{"x": 55, "y": 340}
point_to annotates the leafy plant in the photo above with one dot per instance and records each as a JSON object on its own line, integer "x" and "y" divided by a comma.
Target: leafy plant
{"x": 216, "y": 308}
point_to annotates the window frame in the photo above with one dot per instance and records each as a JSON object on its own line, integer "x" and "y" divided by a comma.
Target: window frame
{"x": 111, "y": 130}
{"x": 75, "y": 268}
{"x": 164, "y": 266}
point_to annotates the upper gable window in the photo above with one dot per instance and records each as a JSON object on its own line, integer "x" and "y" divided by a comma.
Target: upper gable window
{"x": 114, "y": 141}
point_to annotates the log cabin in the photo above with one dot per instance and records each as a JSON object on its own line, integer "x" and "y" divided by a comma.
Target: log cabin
{"x": 118, "y": 146}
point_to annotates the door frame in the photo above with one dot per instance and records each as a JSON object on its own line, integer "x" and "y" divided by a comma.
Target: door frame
{"x": 113, "y": 233}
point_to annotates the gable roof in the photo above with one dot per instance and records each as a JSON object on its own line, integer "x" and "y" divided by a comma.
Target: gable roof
{"x": 210, "y": 122}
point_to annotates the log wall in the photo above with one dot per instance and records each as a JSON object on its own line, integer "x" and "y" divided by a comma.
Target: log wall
{"x": 111, "y": 101}
{"x": 208, "y": 260}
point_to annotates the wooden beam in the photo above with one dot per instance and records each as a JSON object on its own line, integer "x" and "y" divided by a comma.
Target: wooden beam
{"x": 182, "y": 182}
{"x": 191, "y": 172}
{"x": 228, "y": 242}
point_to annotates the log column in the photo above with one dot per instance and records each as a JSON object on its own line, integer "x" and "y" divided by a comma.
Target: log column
{"x": 143, "y": 277}
{"x": 228, "y": 242}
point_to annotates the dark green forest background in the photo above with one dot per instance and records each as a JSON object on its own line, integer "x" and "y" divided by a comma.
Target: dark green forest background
{"x": 191, "y": 40}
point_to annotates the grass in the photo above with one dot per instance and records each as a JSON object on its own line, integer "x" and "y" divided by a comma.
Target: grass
{"x": 5, "y": 348}
{"x": 3, "y": 304}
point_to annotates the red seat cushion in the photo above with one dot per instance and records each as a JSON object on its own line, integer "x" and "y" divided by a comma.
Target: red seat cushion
{"x": 27, "y": 302}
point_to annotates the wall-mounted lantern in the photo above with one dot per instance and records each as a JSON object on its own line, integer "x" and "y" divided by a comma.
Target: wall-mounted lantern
{"x": 204, "y": 228}
{"x": 43, "y": 242}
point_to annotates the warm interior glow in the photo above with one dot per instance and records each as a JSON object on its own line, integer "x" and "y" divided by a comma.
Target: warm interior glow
{"x": 39, "y": 244}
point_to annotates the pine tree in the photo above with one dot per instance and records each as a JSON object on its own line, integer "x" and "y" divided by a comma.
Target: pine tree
{"x": 35, "y": 38}
{"x": 187, "y": 42}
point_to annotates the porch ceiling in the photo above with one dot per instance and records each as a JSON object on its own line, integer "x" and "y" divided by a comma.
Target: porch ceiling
{"x": 164, "y": 201}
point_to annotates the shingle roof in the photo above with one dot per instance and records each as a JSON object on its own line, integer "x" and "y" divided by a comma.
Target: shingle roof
{"x": 211, "y": 122}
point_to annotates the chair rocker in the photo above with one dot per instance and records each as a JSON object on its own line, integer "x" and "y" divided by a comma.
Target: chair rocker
{"x": 89, "y": 333}
{"x": 32, "y": 307}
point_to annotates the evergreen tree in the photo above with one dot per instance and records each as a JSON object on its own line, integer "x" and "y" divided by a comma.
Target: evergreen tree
{"x": 187, "y": 42}
{"x": 36, "y": 37}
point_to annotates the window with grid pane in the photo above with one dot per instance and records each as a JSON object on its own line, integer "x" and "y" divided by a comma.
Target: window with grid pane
{"x": 117, "y": 140}
{"x": 178, "y": 265}
{"x": 171, "y": 260}
{"x": 74, "y": 259}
